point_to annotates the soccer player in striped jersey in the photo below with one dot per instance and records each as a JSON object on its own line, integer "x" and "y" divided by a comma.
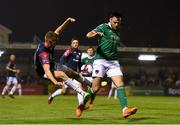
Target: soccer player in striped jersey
{"x": 48, "y": 69}
{"x": 11, "y": 77}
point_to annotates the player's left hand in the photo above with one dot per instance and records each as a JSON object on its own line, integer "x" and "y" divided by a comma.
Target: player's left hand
{"x": 100, "y": 34}
{"x": 60, "y": 84}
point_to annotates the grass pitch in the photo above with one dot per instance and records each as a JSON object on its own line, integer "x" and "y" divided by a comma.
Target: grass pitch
{"x": 35, "y": 110}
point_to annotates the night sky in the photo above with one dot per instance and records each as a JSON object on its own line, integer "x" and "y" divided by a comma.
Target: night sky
{"x": 146, "y": 23}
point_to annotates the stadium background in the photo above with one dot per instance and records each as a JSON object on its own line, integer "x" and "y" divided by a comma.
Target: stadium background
{"x": 149, "y": 27}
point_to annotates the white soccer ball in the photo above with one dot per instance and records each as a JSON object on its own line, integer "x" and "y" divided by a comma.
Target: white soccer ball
{"x": 86, "y": 69}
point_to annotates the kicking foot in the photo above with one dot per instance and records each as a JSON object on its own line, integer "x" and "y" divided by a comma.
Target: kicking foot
{"x": 129, "y": 111}
{"x": 79, "y": 110}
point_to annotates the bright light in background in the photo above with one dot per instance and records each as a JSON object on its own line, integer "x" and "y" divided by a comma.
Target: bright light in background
{"x": 1, "y": 52}
{"x": 147, "y": 57}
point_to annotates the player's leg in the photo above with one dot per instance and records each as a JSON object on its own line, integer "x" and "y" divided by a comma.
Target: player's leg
{"x": 14, "y": 82}
{"x": 110, "y": 93}
{"x": 98, "y": 73}
{"x": 75, "y": 75}
{"x": 117, "y": 77}
{"x": 92, "y": 97}
{"x": 79, "y": 96}
{"x": 70, "y": 83}
{"x": 118, "y": 80}
{"x": 96, "y": 85}
{"x": 19, "y": 87}
{"x": 6, "y": 87}
{"x": 81, "y": 105}
{"x": 57, "y": 93}
{"x": 115, "y": 93}
{"x": 114, "y": 90}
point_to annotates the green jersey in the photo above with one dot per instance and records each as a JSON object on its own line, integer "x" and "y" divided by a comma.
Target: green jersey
{"x": 87, "y": 60}
{"x": 108, "y": 43}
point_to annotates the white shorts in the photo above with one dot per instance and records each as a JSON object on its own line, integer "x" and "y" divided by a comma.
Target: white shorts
{"x": 108, "y": 67}
{"x": 11, "y": 80}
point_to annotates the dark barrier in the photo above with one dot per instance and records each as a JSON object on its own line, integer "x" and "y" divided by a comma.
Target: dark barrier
{"x": 33, "y": 89}
{"x": 148, "y": 92}
{"x": 174, "y": 91}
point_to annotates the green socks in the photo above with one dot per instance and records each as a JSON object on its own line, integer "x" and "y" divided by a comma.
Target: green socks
{"x": 122, "y": 97}
{"x": 90, "y": 91}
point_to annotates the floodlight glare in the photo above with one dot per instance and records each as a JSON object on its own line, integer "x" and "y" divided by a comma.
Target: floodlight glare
{"x": 147, "y": 57}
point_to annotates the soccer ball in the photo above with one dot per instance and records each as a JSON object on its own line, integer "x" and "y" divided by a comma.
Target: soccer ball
{"x": 86, "y": 69}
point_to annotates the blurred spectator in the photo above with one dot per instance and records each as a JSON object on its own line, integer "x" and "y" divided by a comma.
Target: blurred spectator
{"x": 178, "y": 81}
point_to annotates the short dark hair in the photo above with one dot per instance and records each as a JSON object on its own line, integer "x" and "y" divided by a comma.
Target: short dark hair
{"x": 74, "y": 38}
{"x": 115, "y": 14}
{"x": 90, "y": 47}
{"x": 52, "y": 36}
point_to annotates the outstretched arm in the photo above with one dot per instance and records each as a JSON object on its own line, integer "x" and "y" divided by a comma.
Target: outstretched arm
{"x": 93, "y": 34}
{"x": 60, "y": 29}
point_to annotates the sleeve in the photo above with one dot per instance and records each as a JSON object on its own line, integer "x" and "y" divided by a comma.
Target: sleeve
{"x": 67, "y": 53}
{"x": 64, "y": 57}
{"x": 44, "y": 58}
{"x": 99, "y": 28}
{"x": 9, "y": 64}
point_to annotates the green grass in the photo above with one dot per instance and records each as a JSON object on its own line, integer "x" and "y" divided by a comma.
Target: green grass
{"x": 35, "y": 110}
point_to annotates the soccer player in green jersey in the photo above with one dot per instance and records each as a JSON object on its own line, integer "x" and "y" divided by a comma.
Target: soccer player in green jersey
{"x": 106, "y": 59}
{"x": 90, "y": 58}
{"x": 87, "y": 62}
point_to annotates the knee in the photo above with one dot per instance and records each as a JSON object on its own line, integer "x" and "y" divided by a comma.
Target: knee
{"x": 96, "y": 89}
{"x": 7, "y": 86}
{"x": 60, "y": 74}
{"x": 120, "y": 84}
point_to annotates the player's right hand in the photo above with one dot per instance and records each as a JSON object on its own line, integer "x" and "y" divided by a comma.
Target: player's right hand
{"x": 71, "y": 19}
